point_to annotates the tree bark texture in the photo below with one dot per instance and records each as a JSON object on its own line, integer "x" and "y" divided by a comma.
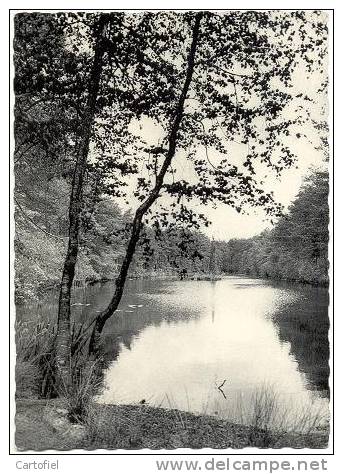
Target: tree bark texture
{"x": 63, "y": 338}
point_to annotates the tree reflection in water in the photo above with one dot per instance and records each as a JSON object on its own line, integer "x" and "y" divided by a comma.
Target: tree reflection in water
{"x": 304, "y": 324}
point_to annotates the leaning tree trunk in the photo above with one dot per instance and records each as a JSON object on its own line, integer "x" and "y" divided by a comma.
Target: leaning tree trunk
{"x": 145, "y": 206}
{"x": 63, "y": 339}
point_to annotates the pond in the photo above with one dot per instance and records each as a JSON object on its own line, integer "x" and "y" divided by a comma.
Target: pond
{"x": 219, "y": 348}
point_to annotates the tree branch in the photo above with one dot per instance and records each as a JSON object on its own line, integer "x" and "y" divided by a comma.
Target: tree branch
{"x": 154, "y": 193}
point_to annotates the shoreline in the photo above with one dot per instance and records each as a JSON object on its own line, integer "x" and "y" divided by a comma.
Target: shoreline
{"x": 43, "y": 424}
{"x": 42, "y": 291}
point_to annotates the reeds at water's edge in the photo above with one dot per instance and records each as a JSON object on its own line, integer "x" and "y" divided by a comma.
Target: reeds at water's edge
{"x": 35, "y": 364}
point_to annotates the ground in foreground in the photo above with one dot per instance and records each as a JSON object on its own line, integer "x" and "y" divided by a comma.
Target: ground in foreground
{"x": 42, "y": 425}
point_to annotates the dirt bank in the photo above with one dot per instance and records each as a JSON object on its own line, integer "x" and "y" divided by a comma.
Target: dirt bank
{"x": 42, "y": 425}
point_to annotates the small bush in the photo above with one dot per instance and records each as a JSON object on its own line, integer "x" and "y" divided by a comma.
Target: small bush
{"x": 86, "y": 384}
{"x": 36, "y": 369}
{"x": 35, "y": 359}
{"x": 270, "y": 422}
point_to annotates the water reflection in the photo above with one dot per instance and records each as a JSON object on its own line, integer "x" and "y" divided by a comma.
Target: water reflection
{"x": 202, "y": 333}
{"x": 304, "y": 323}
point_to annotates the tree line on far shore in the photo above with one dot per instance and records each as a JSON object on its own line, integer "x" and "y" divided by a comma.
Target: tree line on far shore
{"x": 295, "y": 249}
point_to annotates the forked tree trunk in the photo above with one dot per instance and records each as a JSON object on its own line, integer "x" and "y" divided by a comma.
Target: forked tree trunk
{"x": 145, "y": 206}
{"x": 63, "y": 338}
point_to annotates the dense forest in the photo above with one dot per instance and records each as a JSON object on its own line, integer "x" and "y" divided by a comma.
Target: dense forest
{"x": 297, "y": 247}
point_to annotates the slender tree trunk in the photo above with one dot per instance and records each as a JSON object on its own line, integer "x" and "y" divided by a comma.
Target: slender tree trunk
{"x": 63, "y": 339}
{"x": 145, "y": 206}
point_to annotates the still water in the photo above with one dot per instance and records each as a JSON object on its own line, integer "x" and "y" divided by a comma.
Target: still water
{"x": 210, "y": 347}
